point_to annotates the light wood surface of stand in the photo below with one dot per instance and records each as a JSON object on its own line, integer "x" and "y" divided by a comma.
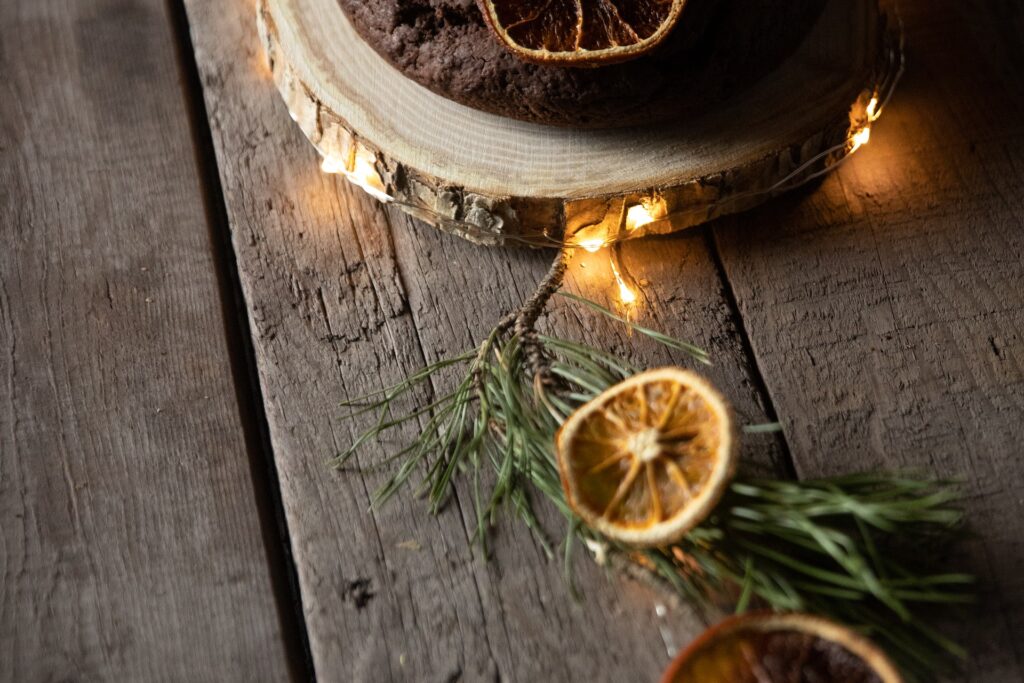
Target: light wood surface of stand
{"x": 491, "y": 178}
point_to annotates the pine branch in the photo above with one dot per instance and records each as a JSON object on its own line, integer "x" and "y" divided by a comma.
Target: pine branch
{"x": 844, "y": 547}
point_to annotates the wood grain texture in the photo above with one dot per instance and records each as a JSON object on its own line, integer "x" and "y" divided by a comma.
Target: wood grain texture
{"x": 345, "y": 297}
{"x": 886, "y": 308}
{"x": 494, "y": 180}
{"x": 129, "y": 542}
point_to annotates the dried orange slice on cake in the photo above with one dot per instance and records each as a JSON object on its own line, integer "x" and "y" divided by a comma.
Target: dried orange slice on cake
{"x": 580, "y": 32}
{"x": 648, "y": 459}
{"x": 781, "y": 647}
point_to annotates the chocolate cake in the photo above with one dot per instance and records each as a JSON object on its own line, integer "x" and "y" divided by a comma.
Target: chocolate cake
{"x": 717, "y": 48}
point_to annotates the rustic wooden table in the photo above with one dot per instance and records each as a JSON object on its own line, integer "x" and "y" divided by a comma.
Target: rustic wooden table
{"x": 184, "y": 299}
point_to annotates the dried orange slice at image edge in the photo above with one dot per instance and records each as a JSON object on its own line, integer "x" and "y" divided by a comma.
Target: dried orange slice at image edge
{"x": 648, "y": 459}
{"x": 576, "y": 33}
{"x": 739, "y": 648}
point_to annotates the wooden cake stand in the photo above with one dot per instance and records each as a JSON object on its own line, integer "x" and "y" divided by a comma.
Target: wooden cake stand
{"x": 495, "y": 180}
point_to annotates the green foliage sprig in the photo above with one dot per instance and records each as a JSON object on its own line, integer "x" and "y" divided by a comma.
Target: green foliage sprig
{"x": 848, "y": 548}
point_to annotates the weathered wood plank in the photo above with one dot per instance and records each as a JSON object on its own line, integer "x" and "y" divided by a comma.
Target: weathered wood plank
{"x": 344, "y": 297}
{"x": 130, "y": 547}
{"x": 886, "y": 308}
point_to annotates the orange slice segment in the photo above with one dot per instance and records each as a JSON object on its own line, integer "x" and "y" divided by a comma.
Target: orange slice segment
{"x": 647, "y": 460}
{"x": 781, "y": 647}
{"x": 580, "y": 32}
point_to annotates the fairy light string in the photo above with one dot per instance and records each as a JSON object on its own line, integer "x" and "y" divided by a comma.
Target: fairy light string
{"x": 360, "y": 170}
{"x": 357, "y": 163}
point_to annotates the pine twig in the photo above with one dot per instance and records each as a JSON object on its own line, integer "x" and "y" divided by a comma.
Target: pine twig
{"x": 526, "y": 320}
{"x": 843, "y": 548}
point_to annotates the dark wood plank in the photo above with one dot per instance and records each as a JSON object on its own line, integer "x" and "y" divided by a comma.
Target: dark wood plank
{"x": 130, "y": 546}
{"x": 344, "y": 297}
{"x": 886, "y": 308}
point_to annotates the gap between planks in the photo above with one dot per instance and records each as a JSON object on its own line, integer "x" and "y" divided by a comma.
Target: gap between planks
{"x": 266, "y": 487}
{"x": 786, "y": 462}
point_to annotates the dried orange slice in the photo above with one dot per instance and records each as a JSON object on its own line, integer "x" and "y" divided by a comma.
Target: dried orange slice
{"x": 580, "y": 32}
{"x": 781, "y": 647}
{"x": 646, "y": 461}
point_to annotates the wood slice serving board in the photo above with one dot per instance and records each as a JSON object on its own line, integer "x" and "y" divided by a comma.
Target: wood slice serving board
{"x": 495, "y": 180}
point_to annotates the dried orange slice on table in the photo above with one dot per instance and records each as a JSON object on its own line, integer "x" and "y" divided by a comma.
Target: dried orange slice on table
{"x": 648, "y": 459}
{"x": 581, "y": 32}
{"x": 781, "y": 647}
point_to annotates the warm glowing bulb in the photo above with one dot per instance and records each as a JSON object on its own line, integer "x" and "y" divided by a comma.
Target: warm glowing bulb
{"x": 626, "y": 292}
{"x": 592, "y": 244}
{"x": 860, "y": 138}
{"x": 638, "y": 216}
{"x": 363, "y": 173}
{"x": 333, "y": 165}
{"x": 627, "y": 295}
{"x": 872, "y": 110}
